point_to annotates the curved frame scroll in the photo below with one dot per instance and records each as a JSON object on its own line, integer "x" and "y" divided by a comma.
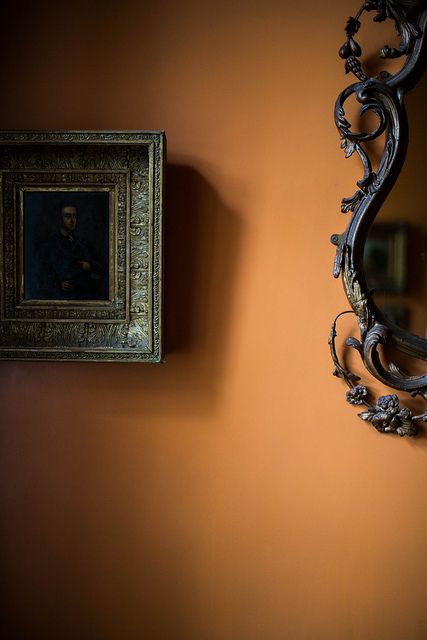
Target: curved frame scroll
{"x": 383, "y": 95}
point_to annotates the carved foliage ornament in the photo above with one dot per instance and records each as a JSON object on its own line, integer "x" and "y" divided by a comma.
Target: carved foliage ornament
{"x": 382, "y": 95}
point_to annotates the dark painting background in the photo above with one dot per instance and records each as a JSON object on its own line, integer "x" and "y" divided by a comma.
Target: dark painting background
{"x": 42, "y": 221}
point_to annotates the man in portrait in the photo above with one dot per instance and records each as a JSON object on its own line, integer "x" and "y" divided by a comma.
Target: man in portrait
{"x": 67, "y": 268}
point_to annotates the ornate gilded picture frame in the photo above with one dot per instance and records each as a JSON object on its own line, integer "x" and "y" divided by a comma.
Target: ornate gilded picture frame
{"x": 81, "y": 258}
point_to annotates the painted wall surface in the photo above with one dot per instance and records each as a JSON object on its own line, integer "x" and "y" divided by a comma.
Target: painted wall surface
{"x": 230, "y": 493}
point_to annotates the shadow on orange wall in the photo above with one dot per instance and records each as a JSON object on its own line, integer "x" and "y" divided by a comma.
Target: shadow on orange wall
{"x": 201, "y": 250}
{"x": 202, "y": 240}
{"x": 90, "y": 519}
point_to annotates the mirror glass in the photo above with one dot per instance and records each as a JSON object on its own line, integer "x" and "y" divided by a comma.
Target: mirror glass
{"x": 395, "y": 253}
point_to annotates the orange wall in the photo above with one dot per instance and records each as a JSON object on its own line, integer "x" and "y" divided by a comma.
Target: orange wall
{"x": 229, "y": 494}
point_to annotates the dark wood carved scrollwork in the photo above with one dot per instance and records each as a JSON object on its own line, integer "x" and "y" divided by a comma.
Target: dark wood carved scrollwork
{"x": 383, "y": 95}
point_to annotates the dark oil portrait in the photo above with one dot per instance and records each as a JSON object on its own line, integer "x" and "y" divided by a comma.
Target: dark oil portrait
{"x": 66, "y": 245}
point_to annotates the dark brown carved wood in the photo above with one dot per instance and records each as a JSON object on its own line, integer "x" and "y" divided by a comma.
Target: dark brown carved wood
{"x": 382, "y": 95}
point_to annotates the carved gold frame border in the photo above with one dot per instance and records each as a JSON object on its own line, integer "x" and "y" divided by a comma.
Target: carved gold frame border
{"x": 130, "y": 165}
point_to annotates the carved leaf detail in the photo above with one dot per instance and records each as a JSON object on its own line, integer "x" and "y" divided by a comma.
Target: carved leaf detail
{"x": 354, "y": 343}
{"x": 349, "y": 147}
{"x": 351, "y": 203}
{"x": 352, "y": 27}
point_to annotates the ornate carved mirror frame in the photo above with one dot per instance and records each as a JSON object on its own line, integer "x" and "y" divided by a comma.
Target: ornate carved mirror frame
{"x": 383, "y": 95}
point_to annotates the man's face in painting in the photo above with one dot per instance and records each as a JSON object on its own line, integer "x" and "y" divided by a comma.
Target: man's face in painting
{"x": 68, "y": 220}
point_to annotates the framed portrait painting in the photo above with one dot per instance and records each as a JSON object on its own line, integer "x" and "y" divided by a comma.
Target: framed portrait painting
{"x": 81, "y": 261}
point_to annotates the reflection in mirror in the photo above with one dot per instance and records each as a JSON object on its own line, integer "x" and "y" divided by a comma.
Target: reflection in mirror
{"x": 395, "y": 253}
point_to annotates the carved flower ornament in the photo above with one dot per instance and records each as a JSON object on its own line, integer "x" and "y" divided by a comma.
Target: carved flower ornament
{"x": 357, "y": 394}
{"x": 388, "y": 417}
